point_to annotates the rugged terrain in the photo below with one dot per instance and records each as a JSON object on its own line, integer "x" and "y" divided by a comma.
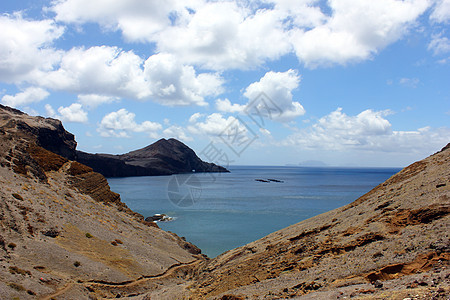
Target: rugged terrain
{"x": 393, "y": 242}
{"x": 164, "y": 157}
{"x": 63, "y": 233}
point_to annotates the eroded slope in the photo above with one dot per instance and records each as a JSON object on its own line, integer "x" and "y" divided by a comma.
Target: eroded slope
{"x": 63, "y": 232}
{"x": 398, "y": 229}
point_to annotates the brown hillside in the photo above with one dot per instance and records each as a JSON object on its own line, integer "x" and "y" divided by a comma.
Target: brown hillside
{"x": 392, "y": 242}
{"x": 63, "y": 233}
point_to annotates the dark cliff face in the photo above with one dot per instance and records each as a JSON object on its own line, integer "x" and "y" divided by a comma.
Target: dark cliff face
{"x": 45, "y": 132}
{"x": 164, "y": 157}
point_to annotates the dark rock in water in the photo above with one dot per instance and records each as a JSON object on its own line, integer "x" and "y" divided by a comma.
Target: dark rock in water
{"x": 159, "y": 217}
{"x": 275, "y": 180}
{"x": 269, "y": 180}
{"x": 165, "y": 157}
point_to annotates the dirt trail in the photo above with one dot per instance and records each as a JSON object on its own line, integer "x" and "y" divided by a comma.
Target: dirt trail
{"x": 100, "y": 284}
{"x": 59, "y": 292}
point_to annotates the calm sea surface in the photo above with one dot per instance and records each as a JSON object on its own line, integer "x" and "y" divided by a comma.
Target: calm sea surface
{"x": 218, "y": 212}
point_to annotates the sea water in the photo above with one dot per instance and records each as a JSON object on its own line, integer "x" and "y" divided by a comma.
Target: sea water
{"x": 221, "y": 211}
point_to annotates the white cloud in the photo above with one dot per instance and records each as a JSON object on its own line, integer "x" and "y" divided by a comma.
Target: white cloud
{"x": 225, "y": 105}
{"x": 29, "y": 95}
{"x": 104, "y": 74}
{"x": 278, "y": 87}
{"x": 173, "y": 83}
{"x": 355, "y": 31}
{"x": 213, "y": 125}
{"x": 439, "y": 44}
{"x": 441, "y": 12}
{"x": 195, "y": 117}
{"x": 409, "y": 82}
{"x": 223, "y": 35}
{"x": 26, "y": 46}
{"x": 101, "y": 70}
{"x": 177, "y": 132}
{"x": 270, "y": 97}
{"x": 120, "y": 123}
{"x": 137, "y": 20}
{"x": 73, "y": 113}
{"x": 93, "y": 100}
{"x": 367, "y": 131}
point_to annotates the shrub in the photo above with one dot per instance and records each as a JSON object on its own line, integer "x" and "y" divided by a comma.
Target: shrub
{"x": 12, "y": 246}
{"x": 77, "y": 264}
{"x": 88, "y": 235}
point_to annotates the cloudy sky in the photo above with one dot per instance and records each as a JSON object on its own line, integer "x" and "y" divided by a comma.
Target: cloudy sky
{"x": 270, "y": 82}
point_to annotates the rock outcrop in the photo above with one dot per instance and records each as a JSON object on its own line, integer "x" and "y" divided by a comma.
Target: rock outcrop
{"x": 63, "y": 232}
{"x": 164, "y": 157}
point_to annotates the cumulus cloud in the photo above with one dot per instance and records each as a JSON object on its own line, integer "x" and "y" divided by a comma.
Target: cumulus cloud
{"x": 28, "y": 96}
{"x": 177, "y": 132}
{"x": 121, "y": 123}
{"x": 368, "y": 131}
{"x": 223, "y": 35}
{"x": 215, "y": 125}
{"x": 73, "y": 113}
{"x": 104, "y": 73}
{"x": 173, "y": 83}
{"x": 355, "y": 30}
{"x": 225, "y": 105}
{"x": 270, "y": 97}
{"x": 26, "y": 46}
{"x": 137, "y": 20}
{"x": 277, "y": 87}
{"x": 98, "y": 70}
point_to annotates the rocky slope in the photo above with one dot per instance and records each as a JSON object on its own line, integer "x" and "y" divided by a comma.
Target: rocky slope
{"x": 164, "y": 157}
{"x": 63, "y": 233}
{"x": 391, "y": 243}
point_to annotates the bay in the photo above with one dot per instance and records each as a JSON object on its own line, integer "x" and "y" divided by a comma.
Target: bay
{"x": 221, "y": 211}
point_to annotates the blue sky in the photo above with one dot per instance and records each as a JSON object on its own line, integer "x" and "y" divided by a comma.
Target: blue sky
{"x": 344, "y": 82}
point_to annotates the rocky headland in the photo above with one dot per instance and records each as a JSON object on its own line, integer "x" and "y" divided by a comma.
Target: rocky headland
{"x": 62, "y": 230}
{"x": 164, "y": 157}
{"x": 65, "y": 235}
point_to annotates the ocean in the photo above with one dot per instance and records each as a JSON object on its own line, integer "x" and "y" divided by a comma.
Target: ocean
{"x": 221, "y": 211}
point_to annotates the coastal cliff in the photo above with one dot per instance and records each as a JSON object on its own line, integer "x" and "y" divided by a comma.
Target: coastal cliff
{"x": 164, "y": 157}
{"x": 62, "y": 230}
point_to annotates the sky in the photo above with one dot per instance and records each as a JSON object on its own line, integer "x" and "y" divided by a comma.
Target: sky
{"x": 271, "y": 82}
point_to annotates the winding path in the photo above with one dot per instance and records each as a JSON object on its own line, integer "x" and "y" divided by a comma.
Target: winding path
{"x": 167, "y": 273}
